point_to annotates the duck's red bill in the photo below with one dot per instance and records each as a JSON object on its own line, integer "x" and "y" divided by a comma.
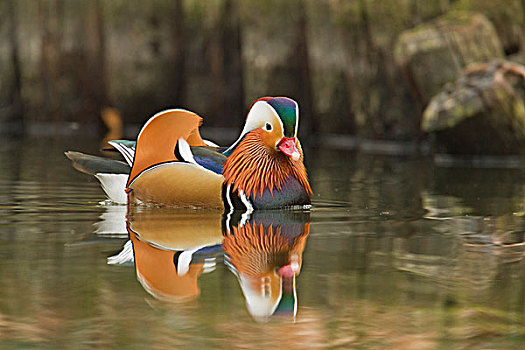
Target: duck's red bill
{"x": 288, "y": 147}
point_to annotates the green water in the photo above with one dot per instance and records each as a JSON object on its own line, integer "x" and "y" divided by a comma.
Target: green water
{"x": 400, "y": 254}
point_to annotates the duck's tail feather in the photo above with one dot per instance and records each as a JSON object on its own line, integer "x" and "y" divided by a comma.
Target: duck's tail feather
{"x": 92, "y": 165}
{"x": 115, "y": 186}
{"x": 112, "y": 174}
{"x": 125, "y": 257}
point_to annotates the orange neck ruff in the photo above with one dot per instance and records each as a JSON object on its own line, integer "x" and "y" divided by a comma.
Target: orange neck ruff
{"x": 254, "y": 167}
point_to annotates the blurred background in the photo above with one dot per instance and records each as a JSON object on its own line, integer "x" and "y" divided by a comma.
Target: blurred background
{"x": 405, "y": 251}
{"x": 366, "y": 68}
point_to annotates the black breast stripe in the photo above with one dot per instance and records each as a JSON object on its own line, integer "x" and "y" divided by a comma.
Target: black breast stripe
{"x": 230, "y": 196}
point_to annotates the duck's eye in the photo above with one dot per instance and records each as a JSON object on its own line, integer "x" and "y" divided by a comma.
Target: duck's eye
{"x": 268, "y": 127}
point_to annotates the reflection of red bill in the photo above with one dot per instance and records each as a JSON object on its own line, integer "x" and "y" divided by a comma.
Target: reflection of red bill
{"x": 288, "y": 271}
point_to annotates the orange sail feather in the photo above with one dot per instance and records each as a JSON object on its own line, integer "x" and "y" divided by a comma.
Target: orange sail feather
{"x": 157, "y": 139}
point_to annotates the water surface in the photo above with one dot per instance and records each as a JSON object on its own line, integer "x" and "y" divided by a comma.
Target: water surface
{"x": 396, "y": 253}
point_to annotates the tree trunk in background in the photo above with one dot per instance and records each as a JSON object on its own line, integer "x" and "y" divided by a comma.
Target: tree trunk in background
{"x": 300, "y": 61}
{"x": 96, "y": 83}
{"x": 336, "y": 58}
{"x": 289, "y": 73}
{"x": 225, "y": 63}
{"x": 50, "y": 13}
{"x": 233, "y": 103}
{"x": 177, "y": 76}
{"x": 382, "y": 107}
{"x": 360, "y": 49}
{"x": 15, "y": 96}
{"x": 215, "y": 105}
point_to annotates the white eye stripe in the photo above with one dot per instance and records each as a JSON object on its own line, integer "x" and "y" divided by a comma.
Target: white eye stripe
{"x": 276, "y": 116}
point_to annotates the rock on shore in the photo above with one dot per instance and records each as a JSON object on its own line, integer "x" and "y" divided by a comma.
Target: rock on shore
{"x": 483, "y": 113}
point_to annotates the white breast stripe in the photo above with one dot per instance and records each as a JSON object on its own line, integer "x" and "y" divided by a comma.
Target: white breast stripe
{"x": 246, "y": 202}
{"x": 229, "y": 200}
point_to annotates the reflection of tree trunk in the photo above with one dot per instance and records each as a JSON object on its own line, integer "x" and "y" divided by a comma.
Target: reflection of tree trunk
{"x": 15, "y": 95}
{"x": 177, "y": 64}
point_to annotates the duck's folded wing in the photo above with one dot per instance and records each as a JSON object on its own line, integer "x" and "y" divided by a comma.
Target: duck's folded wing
{"x": 177, "y": 184}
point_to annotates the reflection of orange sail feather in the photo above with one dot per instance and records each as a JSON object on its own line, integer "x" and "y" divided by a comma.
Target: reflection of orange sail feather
{"x": 157, "y": 274}
{"x": 160, "y": 237}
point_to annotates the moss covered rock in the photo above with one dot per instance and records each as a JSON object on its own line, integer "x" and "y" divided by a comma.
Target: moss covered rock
{"x": 506, "y": 15}
{"x": 434, "y": 53}
{"x": 482, "y": 114}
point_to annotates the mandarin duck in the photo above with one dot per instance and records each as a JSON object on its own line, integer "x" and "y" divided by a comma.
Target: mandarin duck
{"x": 171, "y": 165}
{"x": 264, "y": 252}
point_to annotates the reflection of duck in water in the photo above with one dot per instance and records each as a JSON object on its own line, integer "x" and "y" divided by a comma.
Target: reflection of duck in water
{"x": 172, "y": 249}
{"x": 265, "y": 253}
